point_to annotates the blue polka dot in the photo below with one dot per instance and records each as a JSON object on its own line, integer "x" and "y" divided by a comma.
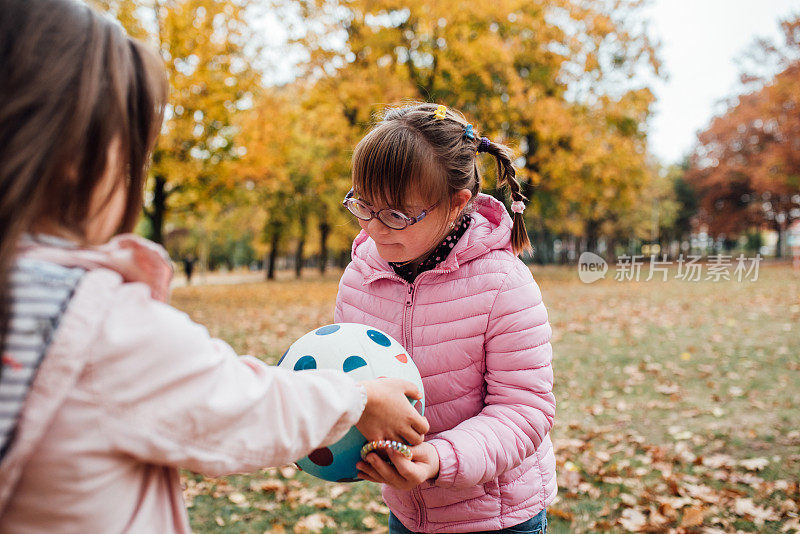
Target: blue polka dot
{"x": 329, "y": 329}
{"x": 283, "y": 357}
{"x": 305, "y": 363}
{"x": 352, "y": 363}
{"x": 379, "y": 338}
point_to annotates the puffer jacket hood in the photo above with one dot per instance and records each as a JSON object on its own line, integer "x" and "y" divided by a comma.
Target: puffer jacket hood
{"x": 490, "y": 231}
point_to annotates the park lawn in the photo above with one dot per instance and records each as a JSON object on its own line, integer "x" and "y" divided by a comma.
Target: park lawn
{"x": 678, "y": 406}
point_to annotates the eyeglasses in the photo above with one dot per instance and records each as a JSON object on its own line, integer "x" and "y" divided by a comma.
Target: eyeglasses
{"x": 396, "y": 220}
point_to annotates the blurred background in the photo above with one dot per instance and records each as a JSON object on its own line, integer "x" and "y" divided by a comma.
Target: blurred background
{"x": 661, "y": 129}
{"x": 641, "y": 127}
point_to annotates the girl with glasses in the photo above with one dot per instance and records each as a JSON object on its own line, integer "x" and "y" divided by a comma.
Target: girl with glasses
{"x": 436, "y": 265}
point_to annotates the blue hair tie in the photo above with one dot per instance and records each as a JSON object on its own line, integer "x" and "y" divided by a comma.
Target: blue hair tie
{"x": 468, "y": 132}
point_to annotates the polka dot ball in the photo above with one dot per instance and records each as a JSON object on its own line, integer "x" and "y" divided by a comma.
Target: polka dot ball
{"x": 364, "y": 353}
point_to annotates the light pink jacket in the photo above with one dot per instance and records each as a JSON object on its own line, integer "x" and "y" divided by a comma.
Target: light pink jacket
{"x": 131, "y": 389}
{"x": 477, "y": 330}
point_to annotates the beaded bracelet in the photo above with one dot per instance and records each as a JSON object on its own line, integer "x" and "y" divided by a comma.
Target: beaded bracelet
{"x": 384, "y": 444}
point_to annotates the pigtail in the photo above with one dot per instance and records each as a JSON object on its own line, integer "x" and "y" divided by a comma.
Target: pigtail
{"x": 506, "y": 177}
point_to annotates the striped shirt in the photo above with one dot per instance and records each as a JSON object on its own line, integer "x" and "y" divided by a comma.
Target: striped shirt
{"x": 40, "y": 292}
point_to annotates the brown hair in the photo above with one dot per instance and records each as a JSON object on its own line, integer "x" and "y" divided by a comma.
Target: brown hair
{"x": 410, "y": 150}
{"x": 73, "y": 83}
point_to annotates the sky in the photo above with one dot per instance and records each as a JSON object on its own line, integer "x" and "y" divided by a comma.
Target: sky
{"x": 700, "y": 42}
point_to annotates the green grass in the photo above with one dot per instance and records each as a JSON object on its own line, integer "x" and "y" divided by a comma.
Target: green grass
{"x": 663, "y": 389}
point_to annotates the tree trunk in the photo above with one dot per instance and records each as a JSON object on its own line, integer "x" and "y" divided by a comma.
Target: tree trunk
{"x": 324, "y": 231}
{"x": 611, "y": 250}
{"x": 564, "y": 255}
{"x": 544, "y": 253}
{"x": 273, "y": 250}
{"x": 156, "y": 214}
{"x": 298, "y": 257}
{"x": 539, "y": 252}
{"x": 344, "y": 259}
{"x": 592, "y": 227}
{"x": 301, "y": 244}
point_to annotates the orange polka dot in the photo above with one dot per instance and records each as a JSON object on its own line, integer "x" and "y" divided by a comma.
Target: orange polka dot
{"x": 402, "y": 357}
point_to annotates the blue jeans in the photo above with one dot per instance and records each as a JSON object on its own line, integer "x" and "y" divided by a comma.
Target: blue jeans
{"x": 535, "y": 525}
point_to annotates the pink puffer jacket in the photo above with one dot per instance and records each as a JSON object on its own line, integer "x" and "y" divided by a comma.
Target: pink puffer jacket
{"x": 477, "y": 330}
{"x": 131, "y": 389}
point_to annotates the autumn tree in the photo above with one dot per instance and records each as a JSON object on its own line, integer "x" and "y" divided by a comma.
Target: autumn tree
{"x": 686, "y": 203}
{"x": 306, "y": 156}
{"x": 746, "y": 166}
{"x": 264, "y": 168}
{"x": 550, "y": 78}
{"x": 208, "y": 49}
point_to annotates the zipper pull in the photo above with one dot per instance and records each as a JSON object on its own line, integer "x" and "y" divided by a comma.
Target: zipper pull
{"x": 410, "y": 292}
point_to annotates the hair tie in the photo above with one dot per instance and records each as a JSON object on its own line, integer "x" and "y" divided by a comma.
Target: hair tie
{"x": 484, "y": 144}
{"x": 440, "y": 113}
{"x": 469, "y": 133}
{"x": 518, "y": 206}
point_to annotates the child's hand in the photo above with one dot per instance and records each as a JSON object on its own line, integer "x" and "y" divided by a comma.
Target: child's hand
{"x": 402, "y": 473}
{"x": 388, "y": 414}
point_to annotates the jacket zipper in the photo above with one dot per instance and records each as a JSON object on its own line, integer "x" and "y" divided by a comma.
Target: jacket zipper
{"x": 407, "y": 314}
{"x": 408, "y": 310}
{"x": 407, "y": 343}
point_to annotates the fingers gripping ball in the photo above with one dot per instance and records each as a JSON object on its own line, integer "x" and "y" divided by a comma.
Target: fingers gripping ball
{"x": 365, "y": 353}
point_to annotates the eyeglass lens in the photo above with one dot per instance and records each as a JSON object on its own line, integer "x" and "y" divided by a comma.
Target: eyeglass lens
{"x": 391, "y": 218}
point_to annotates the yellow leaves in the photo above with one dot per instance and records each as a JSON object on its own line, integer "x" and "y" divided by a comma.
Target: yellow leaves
{"x": 271, "y": 485}
{"x": 693, "y": 516}
{"x": 207, "y": 53}
{"x": 632, "y": 520}
{"x": 371, "y": 523}
{"x": 570, "y": 477}
{"x": 603, "y": 25}
{"x": 314, "y": 523}
{"x": 754, "y": 464}
{"x": 125, "y": 13}
{"x": 758, "y": 514}
{"x": 238, "y": 499}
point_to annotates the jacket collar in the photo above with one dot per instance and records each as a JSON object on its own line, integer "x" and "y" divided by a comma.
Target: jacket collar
{"x": 490, "y": 230}
{"x": 135, "y": 259}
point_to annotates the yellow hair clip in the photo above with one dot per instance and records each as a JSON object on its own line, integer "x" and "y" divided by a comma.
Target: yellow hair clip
{"x": 440, "y": 113}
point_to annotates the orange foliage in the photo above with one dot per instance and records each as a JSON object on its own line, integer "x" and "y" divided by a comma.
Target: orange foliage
{"x": 747, "y": 165}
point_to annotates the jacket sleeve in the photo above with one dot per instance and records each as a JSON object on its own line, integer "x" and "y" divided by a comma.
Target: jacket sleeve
{"x": 519, "y": 403}
{"x": 170, "y": 394}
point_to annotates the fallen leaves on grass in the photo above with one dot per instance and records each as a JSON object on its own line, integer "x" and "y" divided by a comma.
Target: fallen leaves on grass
{"x": 673, "y": 414}
{"x": 667, "y": 487}
{"x": 314, "y": 523}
